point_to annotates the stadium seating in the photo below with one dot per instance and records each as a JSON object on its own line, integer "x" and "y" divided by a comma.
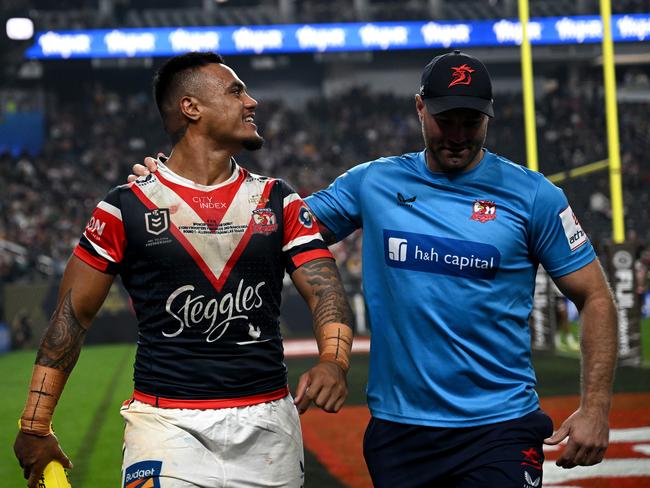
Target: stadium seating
{"x": 93, "y": 140}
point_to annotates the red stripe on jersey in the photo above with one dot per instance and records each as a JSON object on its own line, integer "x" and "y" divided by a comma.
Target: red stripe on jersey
{"x": 294, "y": 226}
{"x": 216, "y": 281}
{"x": 204, "y": 202}
{"x": 246, "y": 237}
{"x": 307, "y": 256}
{"x": 100, "y": 264}
{"x": 161, "y": 402}
{"x": 182, "y": 240}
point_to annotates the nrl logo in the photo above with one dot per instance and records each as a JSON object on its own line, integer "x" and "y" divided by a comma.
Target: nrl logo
{"x": 157, "y": 221}
{"x": 484, "y": 210}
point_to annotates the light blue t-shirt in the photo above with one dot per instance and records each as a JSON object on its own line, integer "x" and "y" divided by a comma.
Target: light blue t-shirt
{"x": 449, "y": 265}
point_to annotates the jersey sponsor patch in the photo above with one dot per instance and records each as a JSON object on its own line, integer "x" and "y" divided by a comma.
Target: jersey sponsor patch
{"x": 145, "y": 474}
{"x": 305, "y": 217}
{"x": 575, "y": 236}
{"x": 441, "y": 255}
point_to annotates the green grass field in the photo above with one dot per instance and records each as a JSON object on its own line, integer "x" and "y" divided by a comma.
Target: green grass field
{"x": 90, "y": 428}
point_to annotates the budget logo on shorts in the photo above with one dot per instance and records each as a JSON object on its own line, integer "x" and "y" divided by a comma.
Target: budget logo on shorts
{"x": 145, "y": 474}
{"x": 397, "y": 249}
{"x": 157, "y": 221}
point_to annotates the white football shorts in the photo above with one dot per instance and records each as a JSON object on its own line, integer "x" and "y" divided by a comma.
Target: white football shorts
{"x": 252, "y": 446}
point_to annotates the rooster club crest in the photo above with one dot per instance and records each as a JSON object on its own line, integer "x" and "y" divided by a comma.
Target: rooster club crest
{"x": 264, "y": 221}
{"x": 461, "y": 75}
{"x": 157, "y": 221}
{"x": 484, "y": 210}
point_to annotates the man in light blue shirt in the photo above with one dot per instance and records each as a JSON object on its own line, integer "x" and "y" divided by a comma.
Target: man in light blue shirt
{"x": 453, "y": 236}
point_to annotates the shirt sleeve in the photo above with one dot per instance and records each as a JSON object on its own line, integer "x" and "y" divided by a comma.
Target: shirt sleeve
{"x": 338, "y": 206}
{"x": 558, "y": 241}
{"x": 301, "y": 239}
{"x": 103, "y": 241}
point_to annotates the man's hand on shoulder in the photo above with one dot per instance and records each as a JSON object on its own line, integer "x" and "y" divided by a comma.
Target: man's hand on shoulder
{"x": 325, "y": 385}
{"x": 150, "y": 166}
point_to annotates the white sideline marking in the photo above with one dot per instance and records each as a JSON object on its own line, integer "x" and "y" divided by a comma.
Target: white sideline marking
{"x": 609, "y": 468}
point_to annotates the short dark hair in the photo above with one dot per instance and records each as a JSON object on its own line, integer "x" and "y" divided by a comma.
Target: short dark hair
{"x": 174, "y": 75}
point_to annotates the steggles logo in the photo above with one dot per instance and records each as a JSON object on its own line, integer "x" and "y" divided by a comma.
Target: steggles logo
{"x": 214, "y": 315}
{"x": 461, "y": 75}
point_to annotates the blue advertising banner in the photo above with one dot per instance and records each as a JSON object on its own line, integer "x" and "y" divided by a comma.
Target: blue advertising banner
{"x": 379, "y": 36}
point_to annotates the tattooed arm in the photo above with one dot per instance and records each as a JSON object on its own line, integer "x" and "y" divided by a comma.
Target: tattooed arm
{"x": 325, "y": 384}
{"x": 81, "y": 293}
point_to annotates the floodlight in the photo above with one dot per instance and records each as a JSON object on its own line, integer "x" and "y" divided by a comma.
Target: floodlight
{"x": 20, "y": 28}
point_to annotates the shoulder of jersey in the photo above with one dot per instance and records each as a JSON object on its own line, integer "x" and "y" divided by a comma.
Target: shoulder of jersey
{"x": 515, "y": 168}
{"x": 255, "y": 177}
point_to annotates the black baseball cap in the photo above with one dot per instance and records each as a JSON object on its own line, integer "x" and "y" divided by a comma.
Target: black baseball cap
{"x": 456, "y": 80}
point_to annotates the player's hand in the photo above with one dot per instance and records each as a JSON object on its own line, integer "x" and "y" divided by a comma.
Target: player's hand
{"x": 150, "y": 165}
{"x": 35, "y": 452}
{"x": 325, "y": 385}
{"x": 588, "y": 433}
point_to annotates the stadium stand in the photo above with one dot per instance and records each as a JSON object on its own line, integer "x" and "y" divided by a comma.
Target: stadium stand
{"x": 93, "y": 139}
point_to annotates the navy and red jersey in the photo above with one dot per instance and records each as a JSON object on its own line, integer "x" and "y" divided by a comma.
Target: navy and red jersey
{"x": 204, "y": 267}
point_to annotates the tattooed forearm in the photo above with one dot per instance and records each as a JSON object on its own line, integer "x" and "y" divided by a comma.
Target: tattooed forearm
{"x": 331, "y": 305}
{"x": 62, "y": 341}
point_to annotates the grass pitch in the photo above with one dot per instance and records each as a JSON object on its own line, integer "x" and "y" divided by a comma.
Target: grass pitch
{"x": 89, "y": 426}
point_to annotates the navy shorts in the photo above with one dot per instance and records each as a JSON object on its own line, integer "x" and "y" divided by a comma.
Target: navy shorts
{"x": 504, "y": 455}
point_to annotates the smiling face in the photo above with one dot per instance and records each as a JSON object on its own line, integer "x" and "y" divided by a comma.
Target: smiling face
{"x": 454, "y": 139}
{"x": 227, "y": 111}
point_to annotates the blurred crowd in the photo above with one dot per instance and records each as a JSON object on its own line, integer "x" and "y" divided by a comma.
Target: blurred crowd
{"x": 93, "y": 139}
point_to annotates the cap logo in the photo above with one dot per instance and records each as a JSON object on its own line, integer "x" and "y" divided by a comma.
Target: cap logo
{"x": 461, "y": 75}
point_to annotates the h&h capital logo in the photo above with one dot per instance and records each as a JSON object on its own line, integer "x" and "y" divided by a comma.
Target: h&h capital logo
{"x": 397, "y": 249}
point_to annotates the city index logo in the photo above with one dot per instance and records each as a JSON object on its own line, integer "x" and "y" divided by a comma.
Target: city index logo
{"x": 207, "y": 202}
{"x": 145, "y": 474}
